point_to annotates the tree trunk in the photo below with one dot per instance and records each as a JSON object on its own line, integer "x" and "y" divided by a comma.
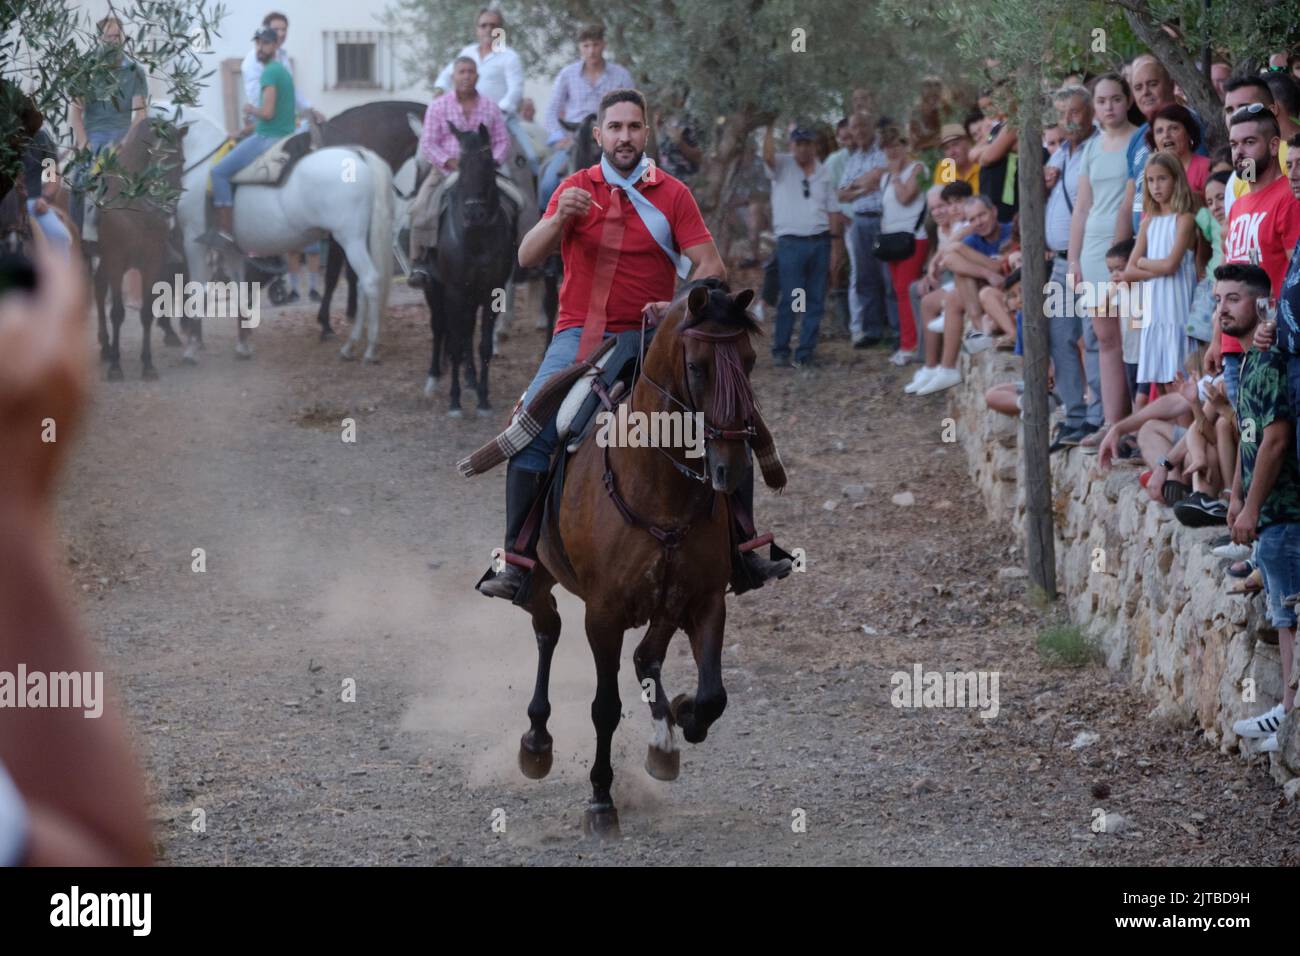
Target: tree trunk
{"x": 1040, "y": 542}
{"x": 1181, "y": 64}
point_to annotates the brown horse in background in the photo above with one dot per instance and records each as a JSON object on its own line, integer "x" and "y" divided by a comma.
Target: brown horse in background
{"x": 133, "y": 234}
{"x": 638, "y": 540}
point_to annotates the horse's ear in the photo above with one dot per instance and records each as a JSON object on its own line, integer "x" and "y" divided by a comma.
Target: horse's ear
{"x": 742, "y": 300}
{"x": 571, "y": 127}
{"x": 697, "y": 300}
{"x": 416, "y": 122}
{"x": 181, "y": 131}
{"x": 454, "y": 131}
{"x": 483, "y": 132}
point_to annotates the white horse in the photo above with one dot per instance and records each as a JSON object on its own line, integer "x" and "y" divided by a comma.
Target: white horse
{"x": 346, "y": 191}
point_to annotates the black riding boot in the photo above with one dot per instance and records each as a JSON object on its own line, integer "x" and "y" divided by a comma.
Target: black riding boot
{"x": 522, "y": 489}
{"x": 759, "y": 568}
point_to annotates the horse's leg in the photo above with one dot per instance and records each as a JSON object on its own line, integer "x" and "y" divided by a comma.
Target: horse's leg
{"x": 662, "y": 759}
{"x": 117, "y": 313}
{"x": 101, "y": 290}
{"x": 485, "y": 349}
{"x": 606, "y": 642}
{"x": 433, "y": 299}
{"x": 359, "y": 256}
{"x": 471, "y": 373}
{"x": 333, "y": 266}
{"x": 705, "y": 624}
{"x": 148, "y": 372}
{"x": 455, "y": 307}
{"x": 535, "y": 745}
{"x": 352, "y": 292}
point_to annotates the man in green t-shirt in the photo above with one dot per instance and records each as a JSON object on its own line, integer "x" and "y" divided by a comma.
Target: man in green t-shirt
{"x": 1266, "y": 491}
{"x": 274, "y": 121}
{"x": 104, "y": 121}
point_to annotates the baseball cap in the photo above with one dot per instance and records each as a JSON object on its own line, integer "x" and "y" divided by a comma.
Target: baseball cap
{"x": 266, "y": 35}
{"x": 802, "y": 134}
{"x": 951, "y": 131}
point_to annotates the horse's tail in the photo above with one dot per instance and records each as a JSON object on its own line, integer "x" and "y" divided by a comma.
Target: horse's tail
{"x": 380, "y": 239}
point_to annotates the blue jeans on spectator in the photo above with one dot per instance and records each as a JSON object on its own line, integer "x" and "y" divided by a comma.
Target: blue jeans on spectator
{"x": 1278, "y": 555}
{"x": 867, "y": 281}
{"x": 803, "y": 262}
{"x": 52, "y": 226}
{"x": 95, "y": 142}
{"x": 552, "y": 175}
{"x": 1232, "y": 374}
{"x": 223, "y": 194}
{"x": 522, "y": 140}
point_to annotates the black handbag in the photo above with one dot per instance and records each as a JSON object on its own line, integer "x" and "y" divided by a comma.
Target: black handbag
{"x": 896, "y": 246}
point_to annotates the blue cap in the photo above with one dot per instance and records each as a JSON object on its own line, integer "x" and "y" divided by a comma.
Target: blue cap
{"x": 802, "y": 134}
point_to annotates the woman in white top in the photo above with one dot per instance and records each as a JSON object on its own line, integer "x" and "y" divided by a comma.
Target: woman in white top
{"x": 903, "y": 211}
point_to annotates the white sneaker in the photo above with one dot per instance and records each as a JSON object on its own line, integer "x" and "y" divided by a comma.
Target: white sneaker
{"x": 920, "y": 379}
{"x": 901, "y": 358}
{"x": 935, "y": 325}
{"x": 1269, "y": 746}
{"x": 1237, "y": 552}
{"x": 942, "y": 379}
{"x": 1263, "y": 726}
{"x": 976, "y": 342}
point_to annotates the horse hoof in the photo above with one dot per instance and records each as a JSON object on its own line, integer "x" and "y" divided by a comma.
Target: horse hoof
{"x": 430, "y": 387}
{"x": 115, "y": 373}
{"x": 454, "y": 413}
{"x": 326, "y": 334}
{"x": 601, "y": 823}
{"x": 345, "y": 354}
{"x": 172, "y": 339}
{"x": 533, "y": 765}
{"x": 484, "y": 411}
{"x": 369, "y": 359}
{"x": 663, "y": 765}
{"x": 150, "y": 374}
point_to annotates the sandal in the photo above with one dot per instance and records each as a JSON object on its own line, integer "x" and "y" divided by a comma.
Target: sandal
{"x": 1089, "y": 444}
{"x": 1249, "y": 585}
{"x": 1241, "y": 569}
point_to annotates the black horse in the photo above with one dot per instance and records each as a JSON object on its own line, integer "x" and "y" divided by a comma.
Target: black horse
{"x": 475, "y": 257}
{"x": 583, "y": 152}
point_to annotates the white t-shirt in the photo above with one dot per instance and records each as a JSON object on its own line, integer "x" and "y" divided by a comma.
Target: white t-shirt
{"x": 796, "y": 214}
{"x": 895, "y": 217}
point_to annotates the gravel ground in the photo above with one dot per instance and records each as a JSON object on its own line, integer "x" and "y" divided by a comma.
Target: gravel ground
{"x": 330, "y": 562}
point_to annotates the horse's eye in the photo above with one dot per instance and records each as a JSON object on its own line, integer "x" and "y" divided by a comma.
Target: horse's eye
{"x": 693, "y": 368}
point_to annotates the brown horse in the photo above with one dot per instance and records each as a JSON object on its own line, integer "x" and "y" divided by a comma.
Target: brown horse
{"x": 133, "y": 233}
{"x": 641, "y": 536}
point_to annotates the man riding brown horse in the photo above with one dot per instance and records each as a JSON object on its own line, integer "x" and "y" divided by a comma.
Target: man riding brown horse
{"x": 626, "y": 232}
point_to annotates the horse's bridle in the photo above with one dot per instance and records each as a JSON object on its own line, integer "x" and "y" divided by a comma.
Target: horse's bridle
{"x": 710, "y": 431}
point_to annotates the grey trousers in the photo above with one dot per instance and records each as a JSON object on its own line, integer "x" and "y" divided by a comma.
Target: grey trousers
{"x": 1063, "y": 332}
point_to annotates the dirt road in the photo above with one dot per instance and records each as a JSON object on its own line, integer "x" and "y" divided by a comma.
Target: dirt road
{"x": 329, "y": 562}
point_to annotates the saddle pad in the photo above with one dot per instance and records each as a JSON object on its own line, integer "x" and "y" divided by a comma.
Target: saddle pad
{"x": 267, "y": 168}
{"x": 577, "y": 395}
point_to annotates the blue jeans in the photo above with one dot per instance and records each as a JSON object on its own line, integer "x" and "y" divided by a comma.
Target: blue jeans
{"x": 522, "y": 140}
{"x": 223, "y": 194}
{"x": 1278, "y": 554}
{"x": 867, "y": 281}
{"x": 552, "y": 174}
{"x": 52, "y": 226}
{"x": 95, "y": 142}
{"x": 1232, "y": 374}
{"x": 803, "y": 262}
{"x": 560, "y": 354}
{"x": 1063, "y": 333}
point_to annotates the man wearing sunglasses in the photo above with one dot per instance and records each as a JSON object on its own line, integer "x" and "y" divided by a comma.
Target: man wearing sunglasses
{"x": 803, "y": 198}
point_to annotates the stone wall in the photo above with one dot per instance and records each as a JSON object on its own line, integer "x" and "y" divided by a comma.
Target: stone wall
{"x": 1146, "y": 589}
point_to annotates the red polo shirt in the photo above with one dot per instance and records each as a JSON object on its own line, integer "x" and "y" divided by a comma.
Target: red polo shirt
{"x": 644, "y": 272}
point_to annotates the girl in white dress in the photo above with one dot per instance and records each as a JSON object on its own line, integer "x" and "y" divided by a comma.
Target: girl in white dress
{"x": 1163, "y": 262}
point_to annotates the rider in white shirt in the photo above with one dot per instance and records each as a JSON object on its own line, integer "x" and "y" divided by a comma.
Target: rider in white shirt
{"x": 250, "y": 69}
{"x": 500, "y": 76}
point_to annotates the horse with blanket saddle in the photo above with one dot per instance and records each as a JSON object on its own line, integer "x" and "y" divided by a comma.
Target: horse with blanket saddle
{"x": 641, "y": 532}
